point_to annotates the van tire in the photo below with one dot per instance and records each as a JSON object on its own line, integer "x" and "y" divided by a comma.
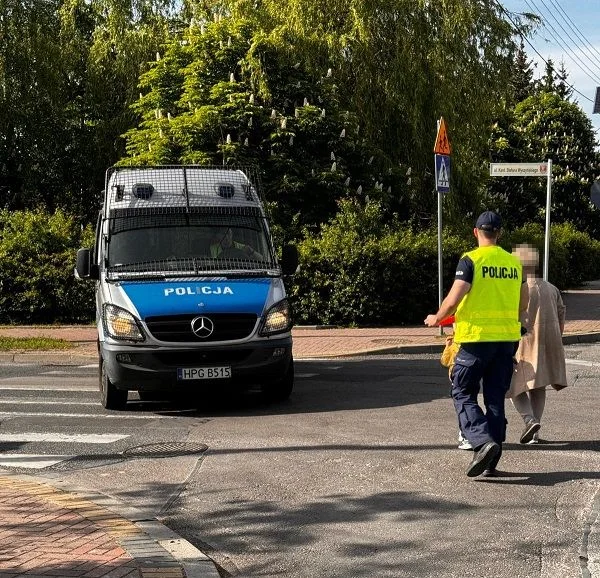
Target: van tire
{"x": 110, "y": 396}
{"x": 281, "y": 389}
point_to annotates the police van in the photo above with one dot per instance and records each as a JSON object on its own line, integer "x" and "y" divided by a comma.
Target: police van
{"x": 189, "y": 292}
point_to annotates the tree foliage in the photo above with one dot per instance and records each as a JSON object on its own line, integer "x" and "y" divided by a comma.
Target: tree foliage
{"x": 37, "y": 257}
{"x": 522, "y": 83}
{"x": 402, "y": 64}
{"x": 335, "y": 102}
{"x": 546, "y": 126}
{"x": 227, "y": 93}
{"x": 68, "y": 74}
{"x": 32, "y": 123}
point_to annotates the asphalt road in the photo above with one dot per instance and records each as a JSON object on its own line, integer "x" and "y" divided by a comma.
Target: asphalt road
{"x": 356, "y": 475}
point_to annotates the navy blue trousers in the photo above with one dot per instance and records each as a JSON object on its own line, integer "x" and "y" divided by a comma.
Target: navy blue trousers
{"x": 492, "y": 365}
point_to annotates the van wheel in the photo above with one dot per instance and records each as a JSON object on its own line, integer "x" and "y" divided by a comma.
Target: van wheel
{"x": 110, "y": 396}
{"x": 282, "y": 389}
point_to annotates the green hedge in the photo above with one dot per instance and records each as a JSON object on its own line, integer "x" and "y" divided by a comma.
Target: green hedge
{"x": 574, "y": 257}
{"x": 362, "y": 272}
{"x": 37, "y": 258}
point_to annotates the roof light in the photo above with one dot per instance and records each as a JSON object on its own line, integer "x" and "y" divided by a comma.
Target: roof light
{"x": 225, "y": 190}
{"x": 142, "y": 190}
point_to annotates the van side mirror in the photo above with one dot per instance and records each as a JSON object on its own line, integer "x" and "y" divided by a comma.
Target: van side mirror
{"x": 289, "y": 259}
{"x": 84, "y": 268}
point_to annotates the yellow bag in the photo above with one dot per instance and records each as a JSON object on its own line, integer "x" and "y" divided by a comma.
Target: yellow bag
{"x": 449, "y": 353}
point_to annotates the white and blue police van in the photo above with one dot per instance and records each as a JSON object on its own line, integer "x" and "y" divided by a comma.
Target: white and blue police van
{"x": 190, "y": 295}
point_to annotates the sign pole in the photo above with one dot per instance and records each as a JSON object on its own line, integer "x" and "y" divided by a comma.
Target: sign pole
{"x": 440, "y": 262}
{"x": 442, "y": 166}
{"x": 440, "y": 266}
{"x": 548, "y": 205}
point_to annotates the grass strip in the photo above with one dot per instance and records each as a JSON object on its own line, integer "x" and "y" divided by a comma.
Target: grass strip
{"x": 33, "y": 343}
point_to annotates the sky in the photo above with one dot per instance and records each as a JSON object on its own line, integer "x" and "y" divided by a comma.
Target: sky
{"x": 570, "y": 32}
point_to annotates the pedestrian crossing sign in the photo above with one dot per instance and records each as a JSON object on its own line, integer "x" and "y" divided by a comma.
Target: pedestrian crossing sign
{"x": 442, "y": 142}
{"x": 442, "y": 173}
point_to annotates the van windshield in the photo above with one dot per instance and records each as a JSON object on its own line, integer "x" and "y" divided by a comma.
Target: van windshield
{"x": 155, "y": 241}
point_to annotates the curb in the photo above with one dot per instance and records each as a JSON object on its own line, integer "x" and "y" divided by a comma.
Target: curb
{"x": 574, "y": 338}
{"x": 48, "y": 358}
{"x": 392, "y": 349}
{"x": 157, "y": 551}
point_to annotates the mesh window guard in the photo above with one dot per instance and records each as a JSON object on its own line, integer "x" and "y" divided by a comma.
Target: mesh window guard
{"x": 185, "y": 221}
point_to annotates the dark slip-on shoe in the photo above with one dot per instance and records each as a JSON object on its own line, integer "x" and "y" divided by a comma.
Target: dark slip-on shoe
{"x": 482, "y": 459}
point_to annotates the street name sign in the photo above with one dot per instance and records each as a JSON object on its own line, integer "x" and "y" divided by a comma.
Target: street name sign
{"x": 518, "y": 169}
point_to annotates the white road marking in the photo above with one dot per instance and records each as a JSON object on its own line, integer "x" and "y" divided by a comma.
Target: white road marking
{"x": 86, "y": 415}
{"x": 26, "y": 387}
{"x": 62, "y": 438}
{"x": 31, "y": 461}
{"x": 582, "y": 362}
{"x": 16, "y": 401}
{"x": 68, "y": 371}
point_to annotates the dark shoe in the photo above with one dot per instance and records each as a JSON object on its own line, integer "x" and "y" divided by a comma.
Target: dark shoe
{"x": 530, "y": 429}
{"x": 494, "y": 463}
{"x": 482, "y": 459}
{"x": 490, "y": 473}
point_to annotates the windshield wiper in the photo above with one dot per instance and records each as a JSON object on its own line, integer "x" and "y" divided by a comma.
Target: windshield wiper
{"x": 150, "y": 275}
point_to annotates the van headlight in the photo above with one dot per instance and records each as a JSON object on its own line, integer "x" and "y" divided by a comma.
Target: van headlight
{"x": 277, "y": 320}
{"x": 120, "y": 324}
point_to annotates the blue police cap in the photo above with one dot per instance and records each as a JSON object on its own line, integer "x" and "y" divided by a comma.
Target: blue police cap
{"x": 489, "y": 221}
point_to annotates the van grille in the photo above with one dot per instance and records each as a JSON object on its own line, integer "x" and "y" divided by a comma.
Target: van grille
{"x": 178, "y": 328}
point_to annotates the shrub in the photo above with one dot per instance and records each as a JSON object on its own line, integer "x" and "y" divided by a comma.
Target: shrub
{"x": 574, "y": 257}
{"x": 37, "y": 257}
{"x": 362, "y": 270}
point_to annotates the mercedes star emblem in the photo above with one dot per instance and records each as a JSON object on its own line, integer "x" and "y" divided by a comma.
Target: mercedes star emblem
{"x": 202, "y": 327}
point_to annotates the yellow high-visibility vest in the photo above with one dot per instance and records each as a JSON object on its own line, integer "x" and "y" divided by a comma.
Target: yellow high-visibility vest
{"x": 490, "y": 310}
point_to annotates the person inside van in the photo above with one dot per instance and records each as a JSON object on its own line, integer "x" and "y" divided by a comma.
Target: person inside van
{"x": 223, "y": 245}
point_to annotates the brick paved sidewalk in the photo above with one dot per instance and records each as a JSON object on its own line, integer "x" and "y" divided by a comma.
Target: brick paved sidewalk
{"x": 45, "y": 531}
{"x": 582, "y": 325}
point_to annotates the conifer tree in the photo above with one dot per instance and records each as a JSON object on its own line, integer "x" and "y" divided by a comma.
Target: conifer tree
{"x": 522, "y": 77}
{"x": 563, "y": 88}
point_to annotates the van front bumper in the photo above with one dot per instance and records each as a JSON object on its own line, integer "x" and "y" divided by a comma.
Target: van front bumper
{"x": 143, "y": 368}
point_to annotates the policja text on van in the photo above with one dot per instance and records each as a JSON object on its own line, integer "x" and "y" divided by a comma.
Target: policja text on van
{"x": 204, "y": 290}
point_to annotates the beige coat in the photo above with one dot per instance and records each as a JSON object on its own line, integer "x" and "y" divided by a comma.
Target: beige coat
{"x": 541, "y": 357}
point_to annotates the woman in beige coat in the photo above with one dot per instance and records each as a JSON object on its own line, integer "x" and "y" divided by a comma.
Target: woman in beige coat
{"x": 540, "y": 357}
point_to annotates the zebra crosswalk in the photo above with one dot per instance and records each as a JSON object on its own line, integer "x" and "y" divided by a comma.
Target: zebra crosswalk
{"x": 62, "y": 438}
{"x": 52, "y": 415}
{"x": 51, "y": 418}
{"x": 31, "y": 461}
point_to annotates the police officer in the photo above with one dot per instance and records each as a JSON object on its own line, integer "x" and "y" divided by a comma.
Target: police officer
{"x": 487, "y": 297}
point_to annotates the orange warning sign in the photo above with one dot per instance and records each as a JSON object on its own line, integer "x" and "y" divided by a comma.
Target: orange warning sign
{"x": 442, "y": 142}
